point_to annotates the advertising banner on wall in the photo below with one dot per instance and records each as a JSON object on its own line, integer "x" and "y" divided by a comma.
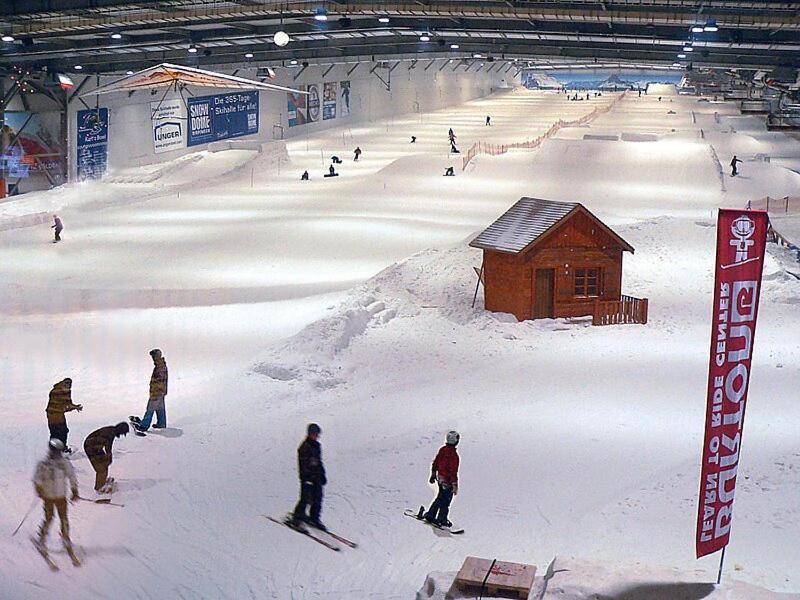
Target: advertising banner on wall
{"x": 329, "y": 100}
{"x": 221, "y": 117}
{"x": 741, "y": 241}
{"x": 36, "y": 153}
{"x": 344, "y": 95}
{"x": 169, "y": 125}
{"x": 297, "y": 107}
{"x": 314, "y": 103}
{"x": 92, "y": 143}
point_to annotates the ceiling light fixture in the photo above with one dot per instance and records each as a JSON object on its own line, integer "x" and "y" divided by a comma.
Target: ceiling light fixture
{"x": 476, "y": 55}
{"x": 192, "y": 49}
{"x": 7, "y": 38}
{"x": 681, "y": 56}
{"x": 281, "y": 38}
{"x": 711, "y": 26}
{"x": 78, "y": 67}
{"x": 321, "y": 15}
{"x": 697, "y": 29}
{"x": 116, "y": 36}
{"x": 128, "y": 72}
{"x": 292, "y": 62}
{"x": 453, "y": 46}
{"x": 424, "y": 38}
{"x": 249, "y": 55}
{"x": 383, "y": 19}
{"x": 688, "y": 49}
{"x": 676, "y": 64}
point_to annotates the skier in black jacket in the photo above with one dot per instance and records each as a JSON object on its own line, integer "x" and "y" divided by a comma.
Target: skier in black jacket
{"x": 312, "y": 479}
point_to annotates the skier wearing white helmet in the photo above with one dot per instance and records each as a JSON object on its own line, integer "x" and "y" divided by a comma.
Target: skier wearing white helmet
{"x": 53, "y": 475}
{"x": 444, "y": 472}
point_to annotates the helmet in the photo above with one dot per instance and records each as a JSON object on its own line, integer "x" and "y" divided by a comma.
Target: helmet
{"x": 452, "y": 438}
{"x": 121, "y": 429}
{"x": 314, "y": 428}
{"x": 56, "y": 444}
{"x": 155, "y": 352}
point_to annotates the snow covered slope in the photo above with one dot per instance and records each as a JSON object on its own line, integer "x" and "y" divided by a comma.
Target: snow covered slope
{"x": 279, "y": 302}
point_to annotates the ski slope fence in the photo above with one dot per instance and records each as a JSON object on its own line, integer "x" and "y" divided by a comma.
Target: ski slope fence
{"x": 497, "y": 149}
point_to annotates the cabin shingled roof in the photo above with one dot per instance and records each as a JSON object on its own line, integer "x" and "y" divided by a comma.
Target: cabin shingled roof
{"x": 525, "y": 222}
{"x": 522, "y": 224}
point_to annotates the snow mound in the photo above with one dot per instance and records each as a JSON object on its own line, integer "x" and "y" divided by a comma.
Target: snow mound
{"x": 576, "y": 579}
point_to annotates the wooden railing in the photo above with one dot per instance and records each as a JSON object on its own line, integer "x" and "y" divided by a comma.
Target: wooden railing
{"x": 608, "y": 312}
{"x": 626, "y": 310}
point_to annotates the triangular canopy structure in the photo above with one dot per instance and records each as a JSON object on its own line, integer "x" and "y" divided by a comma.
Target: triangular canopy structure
{"x": 166, "y": 74}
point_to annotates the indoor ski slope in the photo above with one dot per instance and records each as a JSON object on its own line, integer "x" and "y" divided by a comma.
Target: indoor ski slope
{"x": 278, "y": 302}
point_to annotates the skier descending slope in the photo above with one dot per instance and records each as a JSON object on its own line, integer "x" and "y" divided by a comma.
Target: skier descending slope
{"x": 50, "y": 482}
{"x": 312, "y": 479}
{"x": 444, "y": 472}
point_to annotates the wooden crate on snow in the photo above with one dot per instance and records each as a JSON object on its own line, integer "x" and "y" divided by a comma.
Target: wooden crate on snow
{"x": 514, "y": 578}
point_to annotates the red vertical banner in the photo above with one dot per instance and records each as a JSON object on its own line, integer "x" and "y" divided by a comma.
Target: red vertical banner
{"x": 741, "y": 242}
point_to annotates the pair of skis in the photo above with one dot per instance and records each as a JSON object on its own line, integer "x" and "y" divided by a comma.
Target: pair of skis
{"x": 42, "y": 550}
{"x": 317, "y": 535}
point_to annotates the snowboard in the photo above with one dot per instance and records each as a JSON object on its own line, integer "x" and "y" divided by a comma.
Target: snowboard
{"x": 136, "y": 421}
{"x": 415, "y": 515}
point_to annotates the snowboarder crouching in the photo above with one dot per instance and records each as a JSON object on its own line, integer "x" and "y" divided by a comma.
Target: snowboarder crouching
{"x": 158, "y": 390}
{"x": 50, "y": 481}
{"x": 336, "y": 160}
{"x": 444, "y": 472}
{"x": 449, "y": 172}
{"x": 312, "y": 479}
{"x": 304, "y": 176}
{"x": 58, "y": 404}
{"x": 58, "y": 226}
{"x": 413, "y": 139}
{"x": 98, "y": 450}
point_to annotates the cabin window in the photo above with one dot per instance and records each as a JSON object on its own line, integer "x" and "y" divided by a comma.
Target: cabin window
{"x": 588, "y": 283}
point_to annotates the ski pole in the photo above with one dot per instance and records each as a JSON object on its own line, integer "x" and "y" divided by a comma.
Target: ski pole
{"x": 100, "y": 501}
{"x": 27, "y": 514}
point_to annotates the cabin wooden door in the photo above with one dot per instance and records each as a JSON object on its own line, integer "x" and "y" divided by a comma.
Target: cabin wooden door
{"x": 543, "y": 280}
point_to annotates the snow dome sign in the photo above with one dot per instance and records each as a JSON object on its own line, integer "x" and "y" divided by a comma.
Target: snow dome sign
{"x": 741, "y": 242}
{"x": 222, "y": 116}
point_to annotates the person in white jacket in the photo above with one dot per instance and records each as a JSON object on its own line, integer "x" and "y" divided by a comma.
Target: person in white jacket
{"x": 52, "y": 476}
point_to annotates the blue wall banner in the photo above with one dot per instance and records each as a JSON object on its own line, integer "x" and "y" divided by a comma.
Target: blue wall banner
{"x": 92, "y": 143}
{"x": 222, "y": 117}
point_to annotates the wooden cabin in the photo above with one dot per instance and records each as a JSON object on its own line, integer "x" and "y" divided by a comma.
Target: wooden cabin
{"x": 546, "y": 259}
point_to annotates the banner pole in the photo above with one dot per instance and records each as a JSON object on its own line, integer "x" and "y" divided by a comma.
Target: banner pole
{"x": 721, "y": 562}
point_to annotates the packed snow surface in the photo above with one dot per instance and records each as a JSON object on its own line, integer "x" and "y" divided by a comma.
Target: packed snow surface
{"x": 347, "y": 302}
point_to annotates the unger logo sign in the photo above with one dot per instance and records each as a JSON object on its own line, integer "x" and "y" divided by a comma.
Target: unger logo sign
{"x": 166, "y": 132}
{"x": 742, "y": 229}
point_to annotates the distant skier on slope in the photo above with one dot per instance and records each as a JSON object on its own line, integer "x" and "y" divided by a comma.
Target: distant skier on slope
{"x": 444, "y": 472}
{"x": 50, "y": 481}
{"x": 488, "y": 120}
{"x": 58, "y": 404}
{"x": 158, "y": 390}
{"x": 304, "y": 176}
{"x": 58, "y": 226}
{"x": 448, "y": 172}
{"x": 336, "y": 160}
{"x": 98, "y": 450}
{"x": 356, "y": 153}
{"x": 734, "y": 162}
{"x": 312, "y": 479}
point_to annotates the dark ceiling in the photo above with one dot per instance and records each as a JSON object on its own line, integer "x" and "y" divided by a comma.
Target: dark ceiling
{"x": 61, "y": 34}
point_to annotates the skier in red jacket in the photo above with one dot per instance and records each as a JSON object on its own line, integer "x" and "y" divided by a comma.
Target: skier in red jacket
{"x": 444, "y": 471}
